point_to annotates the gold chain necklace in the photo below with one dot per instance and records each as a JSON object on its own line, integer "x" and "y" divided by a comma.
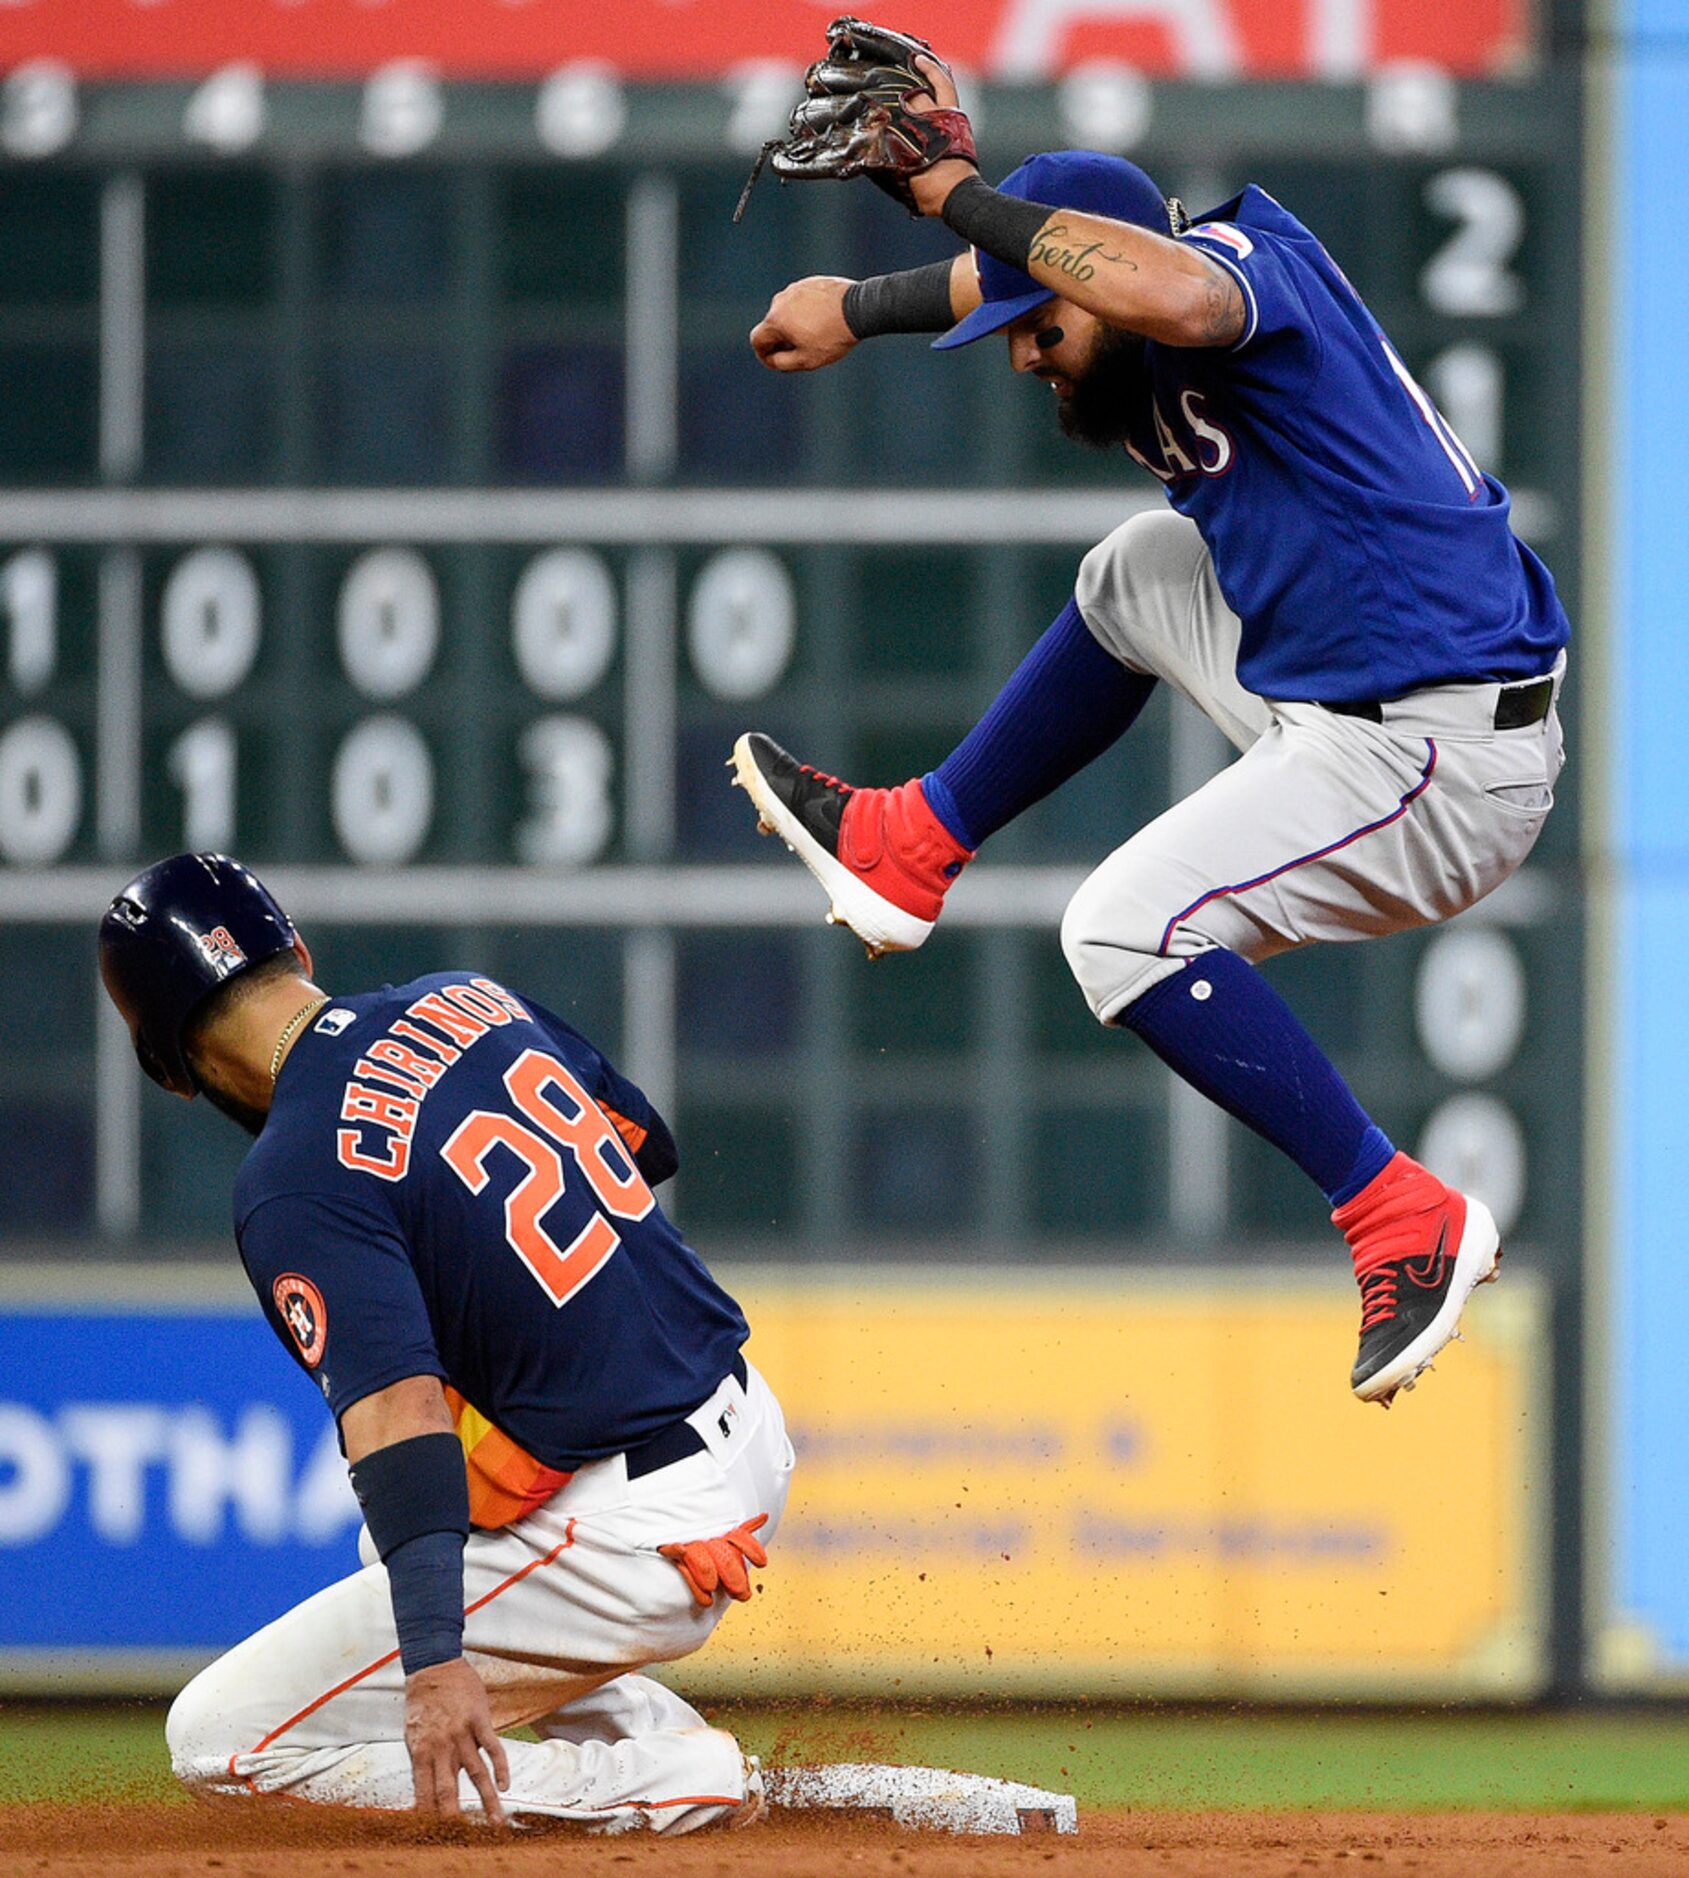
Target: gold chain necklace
{"x": 286, "y": 1037}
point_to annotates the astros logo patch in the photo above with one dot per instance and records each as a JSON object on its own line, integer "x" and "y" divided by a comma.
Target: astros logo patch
{"x": 303, "y": 1311}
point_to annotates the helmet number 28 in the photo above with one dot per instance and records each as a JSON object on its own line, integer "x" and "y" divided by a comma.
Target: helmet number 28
{"x": 554, "y": 1117}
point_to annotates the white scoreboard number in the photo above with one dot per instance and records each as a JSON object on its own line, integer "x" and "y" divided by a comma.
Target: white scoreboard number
{"x": 565, "y": 625}
{"x": 41, "y": 793}
{"x": 40, "y": 790}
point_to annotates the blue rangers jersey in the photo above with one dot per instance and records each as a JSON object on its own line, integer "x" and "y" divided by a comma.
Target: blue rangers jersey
{"x": 452, "y": 1182}
{"x": 1351, "y": 531}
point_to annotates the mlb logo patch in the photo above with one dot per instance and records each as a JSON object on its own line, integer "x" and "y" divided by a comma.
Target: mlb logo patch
{"x": 1224, "y": 232}
{"x": 221, "y": 950}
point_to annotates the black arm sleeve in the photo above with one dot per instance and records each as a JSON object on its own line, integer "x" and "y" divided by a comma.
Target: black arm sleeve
{"x": 915, "y": 301}
{"x": 1003, "y": 226}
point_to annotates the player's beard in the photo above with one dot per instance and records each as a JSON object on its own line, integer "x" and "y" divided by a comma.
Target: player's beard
{"x": 1099, "y": 409}
{"x": 250, "y": 1119}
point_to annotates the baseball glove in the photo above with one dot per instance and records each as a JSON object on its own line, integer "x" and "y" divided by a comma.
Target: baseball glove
{"x": 855, "y": 120}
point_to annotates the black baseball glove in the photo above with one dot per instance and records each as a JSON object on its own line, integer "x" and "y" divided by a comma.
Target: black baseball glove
{"x": 855, "y": 118}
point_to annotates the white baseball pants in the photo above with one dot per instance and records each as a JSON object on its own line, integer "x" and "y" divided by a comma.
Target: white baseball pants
{"x": 1326, "y": 827}
{"x": 560, "y": 1608}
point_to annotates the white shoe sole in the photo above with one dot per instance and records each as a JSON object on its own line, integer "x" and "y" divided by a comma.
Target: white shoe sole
{"x": 926, "y": 1798}
{"x": 881, "y": 926}
{"x": 1475, "y": 1264}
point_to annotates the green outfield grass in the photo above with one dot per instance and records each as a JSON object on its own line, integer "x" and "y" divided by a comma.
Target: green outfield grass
{"x": 1109, "y": 1757}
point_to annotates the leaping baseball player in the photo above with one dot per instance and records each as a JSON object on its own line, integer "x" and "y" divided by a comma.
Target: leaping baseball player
{"x": 1337, "y": 586}
{"x": 565, "y": 1464}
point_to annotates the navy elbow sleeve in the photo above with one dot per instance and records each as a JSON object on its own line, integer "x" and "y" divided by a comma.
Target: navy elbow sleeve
{"x": 415, "y": 1500}
{"x": 425, "y": 1581}
{"x": 411, "y": 1488}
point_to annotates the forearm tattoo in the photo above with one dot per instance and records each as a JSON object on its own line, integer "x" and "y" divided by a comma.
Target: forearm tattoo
{"x": 1222, "y": 308}
{"x": 1051, "y": 246}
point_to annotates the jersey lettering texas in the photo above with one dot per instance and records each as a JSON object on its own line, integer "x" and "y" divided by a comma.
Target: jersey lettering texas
{"x": 391, "y": 1080}
{"x": 1211, "y": 446}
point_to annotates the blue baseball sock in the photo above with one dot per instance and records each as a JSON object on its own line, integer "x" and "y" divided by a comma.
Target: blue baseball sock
{"x": 1222, "y": 1027}
{"x": 1067, "y": 701}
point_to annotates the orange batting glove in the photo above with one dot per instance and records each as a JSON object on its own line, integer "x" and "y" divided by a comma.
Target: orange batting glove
{"x": 712, "y": 1565}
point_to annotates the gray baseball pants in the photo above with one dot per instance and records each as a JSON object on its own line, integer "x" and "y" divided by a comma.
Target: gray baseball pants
{"x": 1326, "y": 826}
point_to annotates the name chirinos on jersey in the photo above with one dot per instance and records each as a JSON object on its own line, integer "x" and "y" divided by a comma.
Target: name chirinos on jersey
{"x": 453, "y": 1182}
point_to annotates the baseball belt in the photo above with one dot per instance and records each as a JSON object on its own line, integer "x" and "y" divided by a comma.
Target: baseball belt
{"x": 678, "y": 1440}
{"x": 1517, "y": 707}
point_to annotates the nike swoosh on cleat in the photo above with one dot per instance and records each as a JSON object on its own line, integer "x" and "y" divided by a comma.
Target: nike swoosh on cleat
{"x": 1432, "y": 1266}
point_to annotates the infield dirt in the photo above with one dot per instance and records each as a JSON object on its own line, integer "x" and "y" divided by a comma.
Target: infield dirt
{"x": 145, "y": 1841}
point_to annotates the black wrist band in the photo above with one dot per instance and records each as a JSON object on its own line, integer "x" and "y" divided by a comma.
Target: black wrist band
{"x": 915, "y": 301}
{"x": 998, "y": 225}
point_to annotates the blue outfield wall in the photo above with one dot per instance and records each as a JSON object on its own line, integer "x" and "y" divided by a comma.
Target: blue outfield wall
{"x": 1647, "y": 1567}
{"x": 168, "y": 1482}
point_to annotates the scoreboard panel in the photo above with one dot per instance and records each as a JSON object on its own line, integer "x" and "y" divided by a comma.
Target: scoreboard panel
{"x": 389, "y": 496}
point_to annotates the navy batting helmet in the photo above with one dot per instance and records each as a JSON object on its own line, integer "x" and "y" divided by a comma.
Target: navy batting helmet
{"x": 171, "y": 937}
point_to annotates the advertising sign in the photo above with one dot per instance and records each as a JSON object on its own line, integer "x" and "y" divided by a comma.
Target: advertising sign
{"x": 1061, "y": 1487}
{"x": 1010, "y": 40}
{"x": 1034, "y": 1484}
{"x": 168, "y": 1482}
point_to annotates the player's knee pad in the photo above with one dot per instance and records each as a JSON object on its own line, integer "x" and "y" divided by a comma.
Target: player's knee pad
{"x": 1112, "y": 944}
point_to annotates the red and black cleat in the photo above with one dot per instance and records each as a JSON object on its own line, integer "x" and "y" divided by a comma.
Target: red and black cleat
{"x": 884, "y": 858}
{"x": 1420, "y": 1248}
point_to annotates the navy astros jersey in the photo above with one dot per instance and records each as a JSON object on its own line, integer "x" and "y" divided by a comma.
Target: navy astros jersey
{"x": 1351, "y": 532}
{"x": 452, "y": 1182}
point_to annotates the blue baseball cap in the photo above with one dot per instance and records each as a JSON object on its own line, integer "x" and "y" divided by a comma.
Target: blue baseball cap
{"x": 1065, "y": 179}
